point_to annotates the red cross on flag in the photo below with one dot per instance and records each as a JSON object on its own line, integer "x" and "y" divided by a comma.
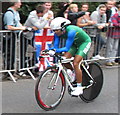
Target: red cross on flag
{"x": 43, "y": 40}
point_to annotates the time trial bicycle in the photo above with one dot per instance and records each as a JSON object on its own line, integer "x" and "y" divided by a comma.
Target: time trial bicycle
{"x": 51, "y": 84}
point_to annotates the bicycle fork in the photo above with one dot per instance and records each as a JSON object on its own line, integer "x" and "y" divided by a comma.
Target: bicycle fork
{"x": 56, "y": 77}
{"x": 67, "y": 79}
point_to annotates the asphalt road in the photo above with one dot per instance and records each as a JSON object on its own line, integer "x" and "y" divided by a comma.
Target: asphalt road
{"x": 19, "y": 97}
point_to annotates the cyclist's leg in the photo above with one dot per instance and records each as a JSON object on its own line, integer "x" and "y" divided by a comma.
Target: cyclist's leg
{"x": 70, "y": 54}
{"x": 81, "y": 52}
{"x": 78, "y": 71}
{"x": 68, "y": 65}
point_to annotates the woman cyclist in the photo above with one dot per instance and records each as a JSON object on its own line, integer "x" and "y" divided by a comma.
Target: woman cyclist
{"x": 77, "y": 44}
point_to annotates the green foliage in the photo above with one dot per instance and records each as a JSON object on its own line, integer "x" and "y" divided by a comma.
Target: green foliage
{"x": 93, "y": 6}
{"x": 27, "y": 7}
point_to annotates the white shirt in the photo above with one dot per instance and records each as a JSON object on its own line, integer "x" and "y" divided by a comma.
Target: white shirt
{"x": 46, "y": 15}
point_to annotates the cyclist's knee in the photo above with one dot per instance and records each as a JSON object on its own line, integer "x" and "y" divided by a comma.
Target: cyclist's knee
{"x": 77, "y": 61}
{"x": 75, "y": 64}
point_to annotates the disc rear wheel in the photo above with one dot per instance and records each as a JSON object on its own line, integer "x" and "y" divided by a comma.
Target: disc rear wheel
{"x": 92, "y": 92}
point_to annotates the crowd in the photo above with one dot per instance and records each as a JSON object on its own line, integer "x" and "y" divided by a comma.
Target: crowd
{"x": 105, "y": 16}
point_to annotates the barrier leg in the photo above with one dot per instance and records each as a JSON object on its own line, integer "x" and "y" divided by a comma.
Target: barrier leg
{"x": 31, "y": 74}
{"x": 12, "y": 76}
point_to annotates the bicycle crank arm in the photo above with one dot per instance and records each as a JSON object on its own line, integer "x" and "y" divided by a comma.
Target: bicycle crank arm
{"x": 91, "y": 83}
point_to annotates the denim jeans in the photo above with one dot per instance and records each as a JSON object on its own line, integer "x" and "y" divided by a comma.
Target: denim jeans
{"x": 99, "y": 41}
{"x": 112, "y": 48}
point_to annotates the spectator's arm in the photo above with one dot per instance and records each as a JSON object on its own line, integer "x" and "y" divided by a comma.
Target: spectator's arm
{"x": 37, "y": 24}
{"x": 88, "y": 23}
{"x": 9, "y": 27}
{"x": 93, "y": 17}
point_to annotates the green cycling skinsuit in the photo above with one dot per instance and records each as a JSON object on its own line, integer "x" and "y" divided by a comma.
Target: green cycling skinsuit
{"x": 77, "y": 41}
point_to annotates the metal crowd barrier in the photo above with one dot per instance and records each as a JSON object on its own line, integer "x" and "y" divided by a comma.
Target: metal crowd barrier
{"x": 100, "y": 42}
{"x": 18, "y": 53}
{"x": 7, "y": 52}
{"x": 26, "y": 53}
{"x": 99, "y": 39}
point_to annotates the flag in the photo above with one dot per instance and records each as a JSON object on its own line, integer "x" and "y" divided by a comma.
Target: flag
{"x": 43, "y": 40}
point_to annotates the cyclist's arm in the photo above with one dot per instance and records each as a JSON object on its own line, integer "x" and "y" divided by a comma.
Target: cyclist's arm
{"x": 55, "y": 42}
{"x": 69, "y": 42}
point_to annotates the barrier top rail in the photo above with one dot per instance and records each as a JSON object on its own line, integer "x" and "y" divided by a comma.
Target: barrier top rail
{"x": 5, "y": 31}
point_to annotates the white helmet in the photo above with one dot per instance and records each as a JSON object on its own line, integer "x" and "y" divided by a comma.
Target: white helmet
{"x": 59, "y": 23}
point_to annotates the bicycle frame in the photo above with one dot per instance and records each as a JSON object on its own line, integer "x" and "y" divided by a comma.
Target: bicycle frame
{"x": 61, "y": 68}
{"x": 53, "y": 80}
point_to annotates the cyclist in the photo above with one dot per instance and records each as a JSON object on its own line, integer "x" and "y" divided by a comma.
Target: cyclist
{"x": 77, "y": 44}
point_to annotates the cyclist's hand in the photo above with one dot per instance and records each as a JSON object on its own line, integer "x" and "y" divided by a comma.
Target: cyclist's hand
{"x": 44, "y": 51}
{"x": 51, "y": 52}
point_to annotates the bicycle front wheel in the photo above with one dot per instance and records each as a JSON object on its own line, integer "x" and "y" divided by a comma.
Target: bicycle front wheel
{"x": 92, "y": 92}
{"x": 48, "y": 94}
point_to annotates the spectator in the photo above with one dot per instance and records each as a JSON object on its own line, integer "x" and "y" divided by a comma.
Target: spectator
{"x": 64, "y": 8}
{"x": 114, "y": 8}
{"x": 48, "y": 6}
{"x": 99, "y": 16}
{"x": 9, "y": 21}
{"x": 12, "y": 22}
{"x": 85, "y": 19}
{"x": 73, "y": 8}
{"x": 111, "y": 9}
{"x": 113, "y": 38}
{"x": 37, "y": 21}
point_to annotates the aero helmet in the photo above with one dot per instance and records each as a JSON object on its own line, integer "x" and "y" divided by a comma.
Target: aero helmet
{"x": 59, "y": 23}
